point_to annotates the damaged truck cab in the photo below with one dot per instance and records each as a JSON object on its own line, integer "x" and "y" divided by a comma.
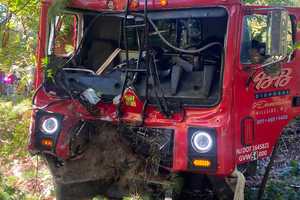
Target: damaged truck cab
{"x": 189, "y": 88}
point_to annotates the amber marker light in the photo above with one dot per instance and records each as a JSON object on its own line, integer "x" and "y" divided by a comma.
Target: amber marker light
{"x": 202, "y": 163}
{"x": 163, "y": 2}
{"x": 47, "y": 142}
{"x": 134, "y": 4}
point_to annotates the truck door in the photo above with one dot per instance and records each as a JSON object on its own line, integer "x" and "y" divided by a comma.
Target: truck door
{"x": 263, "y": 94}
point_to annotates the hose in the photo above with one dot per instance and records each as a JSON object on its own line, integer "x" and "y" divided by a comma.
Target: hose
{"x": 179, "y": 49}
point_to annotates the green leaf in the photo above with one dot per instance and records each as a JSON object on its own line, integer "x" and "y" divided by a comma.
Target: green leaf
{"x": 45, "y": 61}
{"x": 18, "y": 3}
{"x": 57, "y": 7}
{"x": 297, "y": 46}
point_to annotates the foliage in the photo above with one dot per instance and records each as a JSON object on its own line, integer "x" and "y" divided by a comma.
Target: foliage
{"x": 8, "y": 192}
{"x": 58, "y": 6}
{"x": 284, "y": 187}
{"x": 14, "y": 124}
{"x": 18, "y": 34}
{"x": 18, "y": 170}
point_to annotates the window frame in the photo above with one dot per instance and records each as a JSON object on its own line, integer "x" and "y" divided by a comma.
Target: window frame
{"x": 51, "y": 34}
{"x": 292, "y": 20}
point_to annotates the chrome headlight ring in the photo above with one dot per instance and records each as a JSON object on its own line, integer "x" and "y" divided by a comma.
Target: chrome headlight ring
{"x": 202, "y": 142}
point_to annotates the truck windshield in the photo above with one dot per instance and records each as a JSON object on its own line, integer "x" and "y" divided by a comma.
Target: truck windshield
{"x": 178, "y": 71}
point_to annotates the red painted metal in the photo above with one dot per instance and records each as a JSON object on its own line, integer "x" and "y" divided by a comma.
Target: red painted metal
{"x": 101, "y": 5}
{"x": 238, "y": 100}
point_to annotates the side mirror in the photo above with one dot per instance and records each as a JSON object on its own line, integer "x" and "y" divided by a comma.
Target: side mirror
{"x": 4, "y": 15}
{"x": 277, "y": 33}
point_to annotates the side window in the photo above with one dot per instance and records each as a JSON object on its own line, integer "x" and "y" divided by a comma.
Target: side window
{"x": 63, "y": 35}
{"x": 253, "y": 47}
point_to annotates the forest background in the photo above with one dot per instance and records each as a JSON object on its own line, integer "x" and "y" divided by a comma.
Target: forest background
{"x": 23, "y": 177}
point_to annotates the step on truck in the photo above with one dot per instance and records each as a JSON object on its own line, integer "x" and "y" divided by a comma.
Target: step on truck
{"x": 162, "y": 99}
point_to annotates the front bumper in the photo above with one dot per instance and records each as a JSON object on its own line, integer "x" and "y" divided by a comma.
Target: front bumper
{"x": 179, "y": 155}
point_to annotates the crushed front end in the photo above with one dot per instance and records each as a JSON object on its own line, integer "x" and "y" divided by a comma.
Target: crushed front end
{"x": 135, "y": 94}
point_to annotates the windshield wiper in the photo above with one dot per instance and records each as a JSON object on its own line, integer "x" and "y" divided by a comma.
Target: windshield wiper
{"x": 161, "y": 100}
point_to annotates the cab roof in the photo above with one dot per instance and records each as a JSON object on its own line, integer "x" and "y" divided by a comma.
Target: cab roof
{"x": 119, "y": 5}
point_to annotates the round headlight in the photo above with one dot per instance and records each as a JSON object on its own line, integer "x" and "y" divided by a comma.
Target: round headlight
{"x": 50, "y": 125}
{"x": 202, "y": 142}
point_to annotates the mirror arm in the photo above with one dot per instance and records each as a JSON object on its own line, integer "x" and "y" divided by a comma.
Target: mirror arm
{"x": 271, "y": 63}
{"x": 290, "y": 56}
{"x": 269, "y": 9}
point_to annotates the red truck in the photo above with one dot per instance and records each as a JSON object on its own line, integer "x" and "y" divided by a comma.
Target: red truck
{"x": 163, "y": 98}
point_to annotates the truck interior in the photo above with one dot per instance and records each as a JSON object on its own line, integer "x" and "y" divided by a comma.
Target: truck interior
{"x": 177, "y": 59}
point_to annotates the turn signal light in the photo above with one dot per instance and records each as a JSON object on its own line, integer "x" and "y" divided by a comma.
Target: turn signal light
{"x": 163, "y": 2}
{"x": 202, "y": 163}
{"x": 134, "y": 4}
{"x": 47, "y": 142}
